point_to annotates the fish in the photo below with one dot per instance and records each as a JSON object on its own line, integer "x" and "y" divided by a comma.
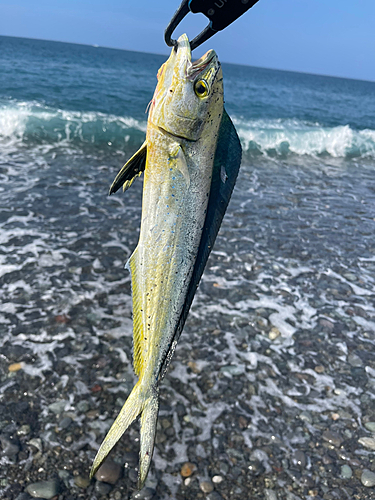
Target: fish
{"x": 190, "y": 160}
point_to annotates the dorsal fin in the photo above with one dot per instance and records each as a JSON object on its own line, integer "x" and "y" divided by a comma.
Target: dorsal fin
{"x": 227, "y": 163}
{"x": 132, "y": 169}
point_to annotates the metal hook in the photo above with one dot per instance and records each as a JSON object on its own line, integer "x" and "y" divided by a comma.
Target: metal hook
{"x": 178, "y": 16}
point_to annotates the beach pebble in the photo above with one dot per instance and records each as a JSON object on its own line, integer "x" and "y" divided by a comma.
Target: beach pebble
{"x": 233, "y": 369}
{"x": 65, "y": 422}
{"x": 269, "y": 494}
{"x": 37, "y": 443}
{"x": 83, "y": 406}
{"x": 24, "y": 430}
{"x": 367, "y": 442}
{"x": 214, "y": 496}
{"x": 273, "y": 333}
{"x": 354, "y": 360}
{"x": 319, "y": 369}
{"x": 58, "y": 406}
{"x": 307, "y": 482}
{"x": 15, "y": 367}
{"x": 102, "y": 489}
{"x": 368, "y": 478}
{"x": 299, "y": 458}
{"x": 370, "y": 426}
{"x": 9, "y": 445}
{"x": 217, "y": 479}
{"x": 130, "y": 459}
{"x": 144, "y": 494}
{"x": 82, "y": 481}
{"x": 332, "y": 438}
{"x": 188, "y": 469}
{"x": 325, "y": 323}
{"x": 206, "y": 486}
{"x": 110, "y": 472}
{"x": 346, "y": 472}
{"x": 23, "y": 496}
{"x": 306, "y": 417}
{"x": 44, "y": 489}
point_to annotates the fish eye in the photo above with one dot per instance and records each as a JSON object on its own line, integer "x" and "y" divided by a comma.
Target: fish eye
{"x": 201, "y": 88}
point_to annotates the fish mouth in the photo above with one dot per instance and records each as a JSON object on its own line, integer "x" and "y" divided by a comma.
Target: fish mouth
{"x": 193, "y": 69}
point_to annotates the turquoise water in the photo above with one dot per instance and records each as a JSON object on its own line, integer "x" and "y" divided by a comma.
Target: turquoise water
{"x": 281, "y": 335}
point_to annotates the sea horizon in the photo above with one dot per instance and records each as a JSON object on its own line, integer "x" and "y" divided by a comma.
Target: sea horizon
{"x": 167, "y": 54}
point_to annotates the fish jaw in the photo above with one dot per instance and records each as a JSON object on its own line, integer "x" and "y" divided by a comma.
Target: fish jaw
{"x": 176, "y": 107}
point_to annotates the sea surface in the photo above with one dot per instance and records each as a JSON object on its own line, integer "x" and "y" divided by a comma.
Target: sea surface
{"x": 271, "y": 392}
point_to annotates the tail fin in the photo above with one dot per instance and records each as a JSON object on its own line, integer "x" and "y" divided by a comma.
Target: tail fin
{"x": 141, "y": 401}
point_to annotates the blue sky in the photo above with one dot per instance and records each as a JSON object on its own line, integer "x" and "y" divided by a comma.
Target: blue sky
{"x": 317, "y": 36}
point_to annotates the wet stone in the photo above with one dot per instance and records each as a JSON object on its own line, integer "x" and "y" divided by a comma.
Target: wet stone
{"x": 214, "y": 496}
{"x": 306, "y": 417}
{"x": 82, "y": 481}
{"x": 9, "y": 445}
{"x": 23, "y": 496}
{"x": 102, "y": 489}
{"x": 269, "y": 494}
{"x": 346, "y": 472}
{"x": 319, "y": 369}
{"x": 110, "y": 472}
{"x": 83, "y": 406}
{"x": 368, "y": 478}
{"x": 354, "y": 360}
{"x": 44, "y": 489}
{"x": 145, "y": 494}
{"x": 133, "y": 476}
{"x": 24, "y": 430}
{"x": 367, "y": 442}
{"x": 206, "y": 486}
{"x": 332, "y": 438}
{"x": 370, "y": 426}
{"x": 307, "y": 482}
{"x": 65, "y": 422}
{"x": 274, "y": 333}
{"x": 58, "y": 406}
{"x": 188, "y": 469}
{"x": 15, "y": 367}
{"x": 37, "y": 443}
{"x": 130, "y": 459}
{"x": 217, "y": 479}
{"x": 233, "y": 369}
{"x": 299, "y": 458}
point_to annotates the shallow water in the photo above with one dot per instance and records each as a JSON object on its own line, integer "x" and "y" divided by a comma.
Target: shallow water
{"x": 273, "y": 380}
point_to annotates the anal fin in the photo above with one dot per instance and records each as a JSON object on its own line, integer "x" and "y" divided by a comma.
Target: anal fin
{"x": 138, "y": 336}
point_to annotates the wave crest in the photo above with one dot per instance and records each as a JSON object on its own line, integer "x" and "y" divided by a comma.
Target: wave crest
{"x": 29, "y": 122}
{"x": 285, "y": 137}
{"x": 33, "y": 123}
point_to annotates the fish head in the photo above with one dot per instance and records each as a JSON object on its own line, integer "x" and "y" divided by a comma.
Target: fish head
{"x": 186, "y": 92}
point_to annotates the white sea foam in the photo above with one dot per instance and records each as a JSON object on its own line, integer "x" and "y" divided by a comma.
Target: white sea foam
{"x": 281, "y": 137}
{"x": 30, "y": 120}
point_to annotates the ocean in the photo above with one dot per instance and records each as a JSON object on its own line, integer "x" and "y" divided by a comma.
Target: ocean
{"x": 271, "y": 390}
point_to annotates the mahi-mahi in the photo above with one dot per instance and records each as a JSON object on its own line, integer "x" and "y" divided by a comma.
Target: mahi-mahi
{"x": 190, "y": 159}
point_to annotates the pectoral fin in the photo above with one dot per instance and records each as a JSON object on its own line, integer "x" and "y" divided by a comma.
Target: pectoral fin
{"x": 177, "y": 160}
{"x": 132, "y": 169}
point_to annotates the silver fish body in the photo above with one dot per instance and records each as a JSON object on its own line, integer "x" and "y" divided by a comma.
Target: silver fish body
{"x": 189, "y": 141}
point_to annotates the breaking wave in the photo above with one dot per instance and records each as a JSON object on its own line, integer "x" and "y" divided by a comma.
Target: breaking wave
{"x": 284, "y": 137}
{"x": 34, "y": 123}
